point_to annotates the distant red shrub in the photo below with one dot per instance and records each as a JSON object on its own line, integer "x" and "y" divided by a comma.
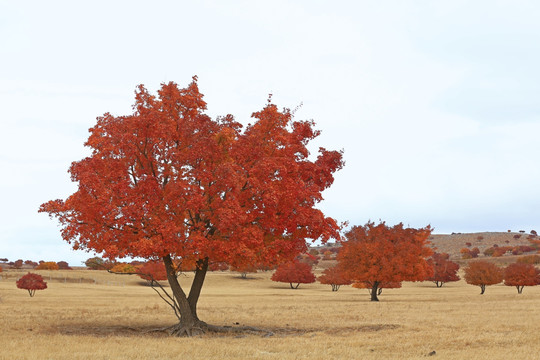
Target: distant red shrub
{"x": 294, "y": 273}
{"x": 31, "y": 282}
{"x": 48, "y": 265}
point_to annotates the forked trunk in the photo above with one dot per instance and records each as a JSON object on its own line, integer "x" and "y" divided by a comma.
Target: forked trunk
{"x": 519, "y": 289}
{"x": 184, "y": 306}
{"x": 483, "y": 289}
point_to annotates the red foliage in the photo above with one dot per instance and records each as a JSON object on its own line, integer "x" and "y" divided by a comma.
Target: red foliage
{"x": 17, "y": 264}
{"x": 294, "y": 272}
{"x": 1, "y": 269}
{"x": 382, "y": 254}
{"x": 520, "y": 275}
{"x": 31, "y": 282}
{"x": 217, "y": 266}
{"x": 332, "y": 276}
{"x": 309, "y": 259}
{"x": 483, "y": 273}
{"x": 152, "y": 271}
{"x": 47, "y": 265}
{"x": 444, "y": 270}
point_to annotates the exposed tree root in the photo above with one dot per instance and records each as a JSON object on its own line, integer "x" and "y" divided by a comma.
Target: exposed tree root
{"x": 201, "y": 328}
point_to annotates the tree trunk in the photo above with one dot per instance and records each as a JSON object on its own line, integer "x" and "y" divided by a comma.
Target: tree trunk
{"x": 189, "y": 323}
{"x": 439, "y": 283}
{"x": 519, "y": 289}
{"x": 374, "y": 291}
{"x": 196, "y": 286}
{"x": 483, "y": 289}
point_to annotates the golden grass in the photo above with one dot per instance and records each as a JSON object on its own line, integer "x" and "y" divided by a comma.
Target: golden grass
{"x": 96, "y": 321}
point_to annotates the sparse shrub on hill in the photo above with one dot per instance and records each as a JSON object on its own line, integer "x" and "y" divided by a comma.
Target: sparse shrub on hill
{"x": 483, "y": 273}
{"x": 444, "y": 270}
{"x": 521, "y": 275}
{"x": 332, "y": 276}
{"x": 294, "y": 272}
{"x": 517, "y": 236}
{"x": 533, "y": 232}
{"x": 469, "y": 253}
{"x": 480, "y": 238}
{"x": 17, "y": 264}
{"x": 468, "y": 244}
{"x": 48, "y": 265}
{"x": 378, "y": 254}
{"x": 31, "y": 282}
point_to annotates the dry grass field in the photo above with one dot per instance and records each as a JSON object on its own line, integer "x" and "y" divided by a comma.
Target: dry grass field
{"x": 77, "y": 320}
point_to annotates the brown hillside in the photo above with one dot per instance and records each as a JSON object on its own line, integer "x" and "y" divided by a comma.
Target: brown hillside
{"x": 453, "y": 243}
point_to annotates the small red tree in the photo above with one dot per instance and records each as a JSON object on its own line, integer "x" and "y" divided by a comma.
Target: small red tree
{"x": 152, "y": 271}
{"x": 332, "y": 276}
{"x": 31, "y": 282}
{"x": 17, "y": 264}
{"x": 377, "y": 254}
{"x": 521, "y": 275}
{"x": 294, "y": 272}
{"x": 444, "y": 270}
{"x": 47, "y": 265}
{"x": 483, "y": 273}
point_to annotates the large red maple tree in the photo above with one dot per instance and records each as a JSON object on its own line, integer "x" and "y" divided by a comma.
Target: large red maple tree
{"x": 379, "y": 254}
{"x": 168, "y": 182}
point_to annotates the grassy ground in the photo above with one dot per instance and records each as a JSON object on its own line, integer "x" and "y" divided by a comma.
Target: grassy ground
{"x": 72, "y": 320}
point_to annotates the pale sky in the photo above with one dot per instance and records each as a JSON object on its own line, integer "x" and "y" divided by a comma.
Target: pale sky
{"x": 435, "y": 104}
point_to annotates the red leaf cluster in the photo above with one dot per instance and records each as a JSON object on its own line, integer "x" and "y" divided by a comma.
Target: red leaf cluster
{"x": 152, "y": 271}
{"x": 294, "y": 272}
{"x": 31, "y": 282}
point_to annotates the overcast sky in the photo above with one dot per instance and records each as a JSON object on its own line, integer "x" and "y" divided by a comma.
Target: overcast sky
{"x": 435, "y": 104}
